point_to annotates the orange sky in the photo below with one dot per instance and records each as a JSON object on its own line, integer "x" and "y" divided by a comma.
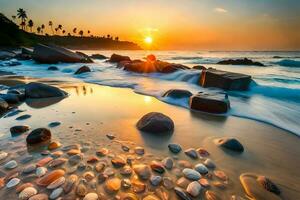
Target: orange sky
{"x": 176, "y": 24}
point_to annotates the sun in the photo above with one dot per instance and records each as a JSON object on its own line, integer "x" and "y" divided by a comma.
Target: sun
{"x": 148, "y": 40}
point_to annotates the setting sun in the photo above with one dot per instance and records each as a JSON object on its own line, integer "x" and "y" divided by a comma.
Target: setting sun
{"x": 148, "y": 40}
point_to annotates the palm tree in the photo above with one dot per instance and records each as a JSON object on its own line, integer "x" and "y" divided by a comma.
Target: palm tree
{"x": 74, "y": 30}
{"x": 81, "y": 33}
{"x": 23, "y": 16}
{"x": 56, "y": 29}
{"x": 89, "y": 31}
{"x": 30, "y": 24}
{"x": 117, "y": 38}
{"x": 63, "y": 32}
{"x": 59, "y": 27}
{"x": 50, "y": 23}
{"x": 42, "y": 28}
{"x": 38, "y": 29}
{"x": 108, "y": 36}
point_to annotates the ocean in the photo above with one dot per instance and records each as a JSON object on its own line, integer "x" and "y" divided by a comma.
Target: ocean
{"x": 273, "y": 97}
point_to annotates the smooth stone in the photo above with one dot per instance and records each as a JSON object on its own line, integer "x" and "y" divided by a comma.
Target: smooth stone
{"x": 210, "y": 195}
{"x": 194, "y": 188}
{"x": 54, "y": 145}
{"x": 26, "y": 159}
{"x": 129, "y": 196}
{"x": 89, "y": 176}
{"x": 91, "y": 196}
{"x": 27, "y": 193}
{"x": 40, "y": 196}
{"x": 44, "y": 161}
{"x": 70, "y": 147}
{"x": 126, "y": 170}
{"x": 203, "y": 152}
{"x": 20, "y": 188}
{"x": 100, "y": 166}
{"x": 16, "y": 130}
{"x": 83, "y": 69}
{"x": 57, "y": 154}
{"x": 50, "y": 177}
{"x": 221, "y": 175}
{"x": 55, "y": 184}
{"x": 143, "y": 171}
{"x": 57, "y": 162}
{"x": 38, "y": 135}
{"x": 54, "y": 124}
{"x": 113, "y": 185}
{"x": 52, "y": 68}
{"x": 209, "y": 163}
{"x": 109, "y": 171}
{"x": 102, "y": 152}
{"x": 92, "y": 160}
{"x": 98, "y": 56}
{"x": 41, "y": 171}
{"x": 11, "y": 164}
{"x": 192, "y": 153}
{"x": 231, "y": 144}
{"x": 81, "y": 190}
{"x": 183, "y": 182}
{"x": 118, "y": 161}
{"x": 191, "y": 174}
{"x": 177, "y": 93}
{"x": 125, "y": 148}
{"x": 75, "y": 159}
{"x": 13, "y": 182}
{"x": 70, "y": 183}
{"x": 168, "y": 163}
{"x": 115, "y": 58}
{"x": 155, "y": 122}
{"x": 182, "y": 194}
{"x": 23, "y": 117}
{"x": 41, "y": 90}
{"x": 162, "y": 193}
{"x": 126, "y": 183}
{"x": 155, "y": 180}
{"x": 3, "y": 155}
{"x": 110, "y": 136}
{"x": 102, "y": 178}
{"x": 202, "y": 169}
{"x": 204, "y": 182}
{"x": 174, "y": 148}
{"x": 139, "y": 150}
{"x": 168, "y": 183}
{"x": 29, "y": 168}
{"x": 138, "y": 186}
{"x": 56, "y": 193}
{"x": 157, "y": 167}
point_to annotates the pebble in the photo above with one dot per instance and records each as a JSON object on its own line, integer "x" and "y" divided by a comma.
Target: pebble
{"x": 113, "y": 185}
{"x": 40, "y": 196}
{"x": 109, "y": 171}
{"x": 138, "y": 186}
{"x": 203, "y": 152}
{"x": 268, "y": 185}
{"x": 11, "y": 164}
{"x": 155, "y": 180}
{"x": 174, "y": 148}
{"x": 192, "y": 153}
{"x": 110, "y": 136}
{"x": 54, "y": 145}
{"x": 41, "y": 171}
{"x": 57, "y": 154}
{"x": 162, "y": 194}
{"x": 50, "y": 177}
{"x": 139, "y": 150}
{"x": 221, "y": 175}
{"x": 191, "y": 174}
{"x": 23, "y": 186}
{"x": 16, "y": 130}
{"x": 168, "y": 163}
{"x": 102, "y": 152}
{"x": 27, "y": 193}
{"x": 202, "y": 169}
{"x": 143, "y": 171}
{"x": 118, "y": 161}
{"x": 72, "y": 152}
{"x": 157, "y": 167}
{"x": 81, "y": 190}
{"x": 231, "y": 144}
{"x": 55, "y": 184}
{"x": 69, "y": 147}
{"x": 150, "y": 197}
{"x": 182, "y": 194}
{"x": 92, "y": 160}
{"x": 56, "y": 193}
{"x": 194, "y": 188}
{"x": 209, "y": 163}
{"x": 45, "y": 152}
{"x": 89, "y": 176}
{"x": 44, "y": 161}
{"x": 126, "y": 183}
{"x": 100, "y": 166}
{"x": 57, "y": 162}
{"x": 204, "y": 182}
{"x": 75, "y": 159}
{"x": 210, "y": 195}
{"x": 168, "y": 183}
{"x": 23, "y": 117}
{"x": 70, "y": 182}
{"x": 91, "y": 196}
{"x": 183, "y": 182}
{"x": 29, "y": 168}
{"x": 102, "y": 178}
{"x": 13, "y": 182}
{"x": 26, "y": 159}
{"x": 125, "y": 148}
{"x": 126, "y": 171}
{"x": 54, "y": 124}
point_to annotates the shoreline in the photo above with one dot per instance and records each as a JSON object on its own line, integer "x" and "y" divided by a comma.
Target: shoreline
{"x": 99, "y": 108}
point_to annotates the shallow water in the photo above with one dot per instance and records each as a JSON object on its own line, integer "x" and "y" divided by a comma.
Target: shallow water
{"x": 274, "y": 96}
{"x": 91, "y": 112}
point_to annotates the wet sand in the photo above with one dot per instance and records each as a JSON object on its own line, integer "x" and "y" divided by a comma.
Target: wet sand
{"x": 92, "y": 111}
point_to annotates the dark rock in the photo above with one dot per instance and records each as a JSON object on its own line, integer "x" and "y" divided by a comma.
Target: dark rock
{"x": 157, "y": 167}
{"x": 224, "y": 80}
{"x": 25, "y": 50}
{"x": 52, "y": 68}
{"x": 54, "y": 54}
{"x": 155, "y": 122}
{"x": 83, "y": 69}
{"x": 182, "y": 194}
{"x": 199, "y": 67}
{"x": 54, "y": 124}
{"x": 231, "y": 144}
{"x": 174, "y": 148}
{"x": 244, "y": 61}
{"x": 12, "y": 98}
{"x": 268, "y": 185}
{"x": 213, "y": 103}
{"x": 6, "y": 55}
{"x": 38, "y": 135}
{"x": 88, "y": 59}
{"x": 40, "y": 90}
{"x": 22, "y": 56}
{"x": 23, "y": 117}
{"x": 15, "y": 130}
{"x": 3, "y": 106}
{"x": 177, "y": 93}
{"x": 115, "y": 58}
{"x": 98, "y": 56}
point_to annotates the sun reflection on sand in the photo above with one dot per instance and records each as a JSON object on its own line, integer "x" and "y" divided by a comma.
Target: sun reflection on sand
{"x": 147, "y": 99}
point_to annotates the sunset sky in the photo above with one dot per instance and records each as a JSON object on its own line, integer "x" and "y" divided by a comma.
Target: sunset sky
{"x": 175, "y": 24}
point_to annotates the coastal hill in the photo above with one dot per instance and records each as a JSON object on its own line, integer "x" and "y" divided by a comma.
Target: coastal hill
{"x": 12, "y": 36}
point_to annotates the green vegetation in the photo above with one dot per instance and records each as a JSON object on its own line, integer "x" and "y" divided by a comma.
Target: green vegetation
{"x": 12, "y": 35}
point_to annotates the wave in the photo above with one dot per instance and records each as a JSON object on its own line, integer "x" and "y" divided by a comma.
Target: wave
{"x": 186, "y": 58}
{"x": 288, "y": 63}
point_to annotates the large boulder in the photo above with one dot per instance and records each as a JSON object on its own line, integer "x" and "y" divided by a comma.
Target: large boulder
{"x": 177, "y": 93}
{"x": 244, "y": 61}
{"x": 40, "y": 90}
{"x": 155, "y": 122}
{"x": 216, "y": 103}
{"x": 38, "y": 136}
{"x": 54, "y": 54}
{"x": 83, "y": 69}
{"x": 224, "y": 80}
{"x": 115, "y": 58}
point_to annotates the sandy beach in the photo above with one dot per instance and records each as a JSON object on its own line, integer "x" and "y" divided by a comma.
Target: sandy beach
{"x": 90, "y": 112}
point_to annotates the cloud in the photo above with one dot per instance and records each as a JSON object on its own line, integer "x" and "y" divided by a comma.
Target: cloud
{"x": 220, "y": 10}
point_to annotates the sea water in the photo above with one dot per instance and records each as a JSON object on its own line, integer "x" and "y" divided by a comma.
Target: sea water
{"x": 273, "y": 97}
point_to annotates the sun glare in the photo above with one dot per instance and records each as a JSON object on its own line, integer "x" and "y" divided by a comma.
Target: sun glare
{"x": 148, "y": 40}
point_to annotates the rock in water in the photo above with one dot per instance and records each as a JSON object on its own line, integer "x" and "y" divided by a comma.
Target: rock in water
{"x": 11, "y": 164}
{"x": 217, "y": 103}
{"x": 155, "y": 122}
{"x": 182, "y": 194}
{"x": 3, "y": 106}
{"x": 244, "y": 61}
{"x": 98, "y": 56}
{"x": 168, "y": 163}
{"x": 54, "y": 54}
{"x": 83, "y": 69}
{"x": 224, "y": 80}
{"x": 191, "y": 174}
{"x": 174, "y": 148}
{"x": 15, "y": 130}
{"x": 52, "y": 68}
{"x": 13, "y": 182}
{"x": 194, "y": 188}
{"x": 231, "y": 144}
{"x": 115, "y": 58}
{"x": 177, "y": 94}
{"x": 192, "y": 153}
{"x": 143, "y": 171}
{"x": 38, "y": 135}
{"x": 201, "y": 168}
{"x": 40, "y": 90}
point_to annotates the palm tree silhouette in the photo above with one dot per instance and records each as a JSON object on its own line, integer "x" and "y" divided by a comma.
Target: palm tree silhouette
{"x": 56, "y": 29}
{"x": 59, "y": 27}
{"x": 89, "y": 31}
{"x": 42, "y": 28}
{"x": 30, "y": 24}
{"x": 50, "y": 23}
{"x": 108, "y": 36}
{"x": 38, "y": 29}
{"x": 74, "y": 30}
{"x": 63, "y": 32}
{"x": 81, "y": 33}
{"x": 23, "y": 16}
